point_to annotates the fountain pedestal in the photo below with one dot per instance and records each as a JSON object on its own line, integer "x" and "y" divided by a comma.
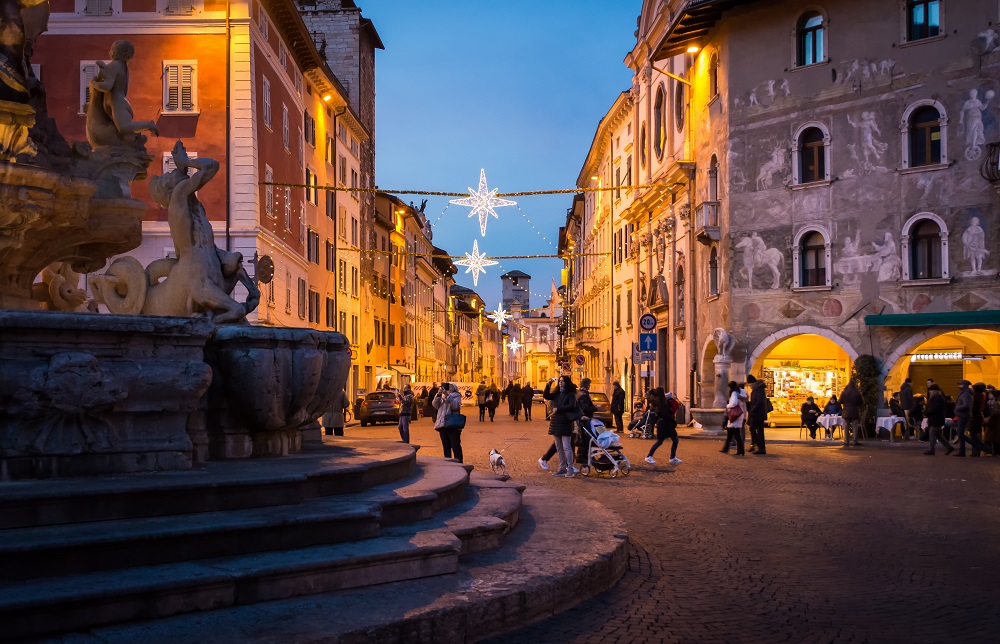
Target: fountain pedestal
{"x": 713, "y": 419}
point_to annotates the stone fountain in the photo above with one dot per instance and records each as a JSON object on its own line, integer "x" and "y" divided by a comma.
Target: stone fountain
{"x": 713, "y": 419}
{"x": 173, "y": 375}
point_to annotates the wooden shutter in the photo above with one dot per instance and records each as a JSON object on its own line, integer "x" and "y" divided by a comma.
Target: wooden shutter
{"x": 87, "y": 73}
{"x": 187, "y": 87}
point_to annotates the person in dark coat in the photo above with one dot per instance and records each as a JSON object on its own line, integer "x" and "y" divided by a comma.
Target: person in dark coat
{"x": 965, "y": 409}
{"x": 852, "y": 401}
{"x": 563, "y": 417}
{"x": 935, "y": 412}
{"x": 429, "y": 410}
{"x": 666, "y": 424}
{"x": 527, "y": 397}
{"x": 492, "y": 400}
{"x": 514, "y": 401}
{"x": 757, "y": 414}
{"x": 810, "y": 412}
{"x": 906, "y": 402}
{"x": 585, "y": 404}
{"x": 618, "y": 406}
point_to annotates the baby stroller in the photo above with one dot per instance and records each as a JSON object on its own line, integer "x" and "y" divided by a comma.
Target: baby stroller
{"x": 643, "y": 425}
{"x": 604, "y": 454}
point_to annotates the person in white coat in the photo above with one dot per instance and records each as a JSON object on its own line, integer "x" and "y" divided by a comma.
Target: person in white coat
{"x": 734, "y": 428}
{"x": 448, "y": 401}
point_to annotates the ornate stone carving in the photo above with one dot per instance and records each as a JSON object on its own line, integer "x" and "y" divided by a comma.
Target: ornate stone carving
{"x": 200, "y": 279}
{"x": 756, "y": 255}
{"x": 22, "y": 21}
{"x": 724, "y": 344}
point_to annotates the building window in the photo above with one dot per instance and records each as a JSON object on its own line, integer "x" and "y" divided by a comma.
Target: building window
{"x": 262, "y": 22}
{"x": 268, "y": 191}
{"x": 179, "y": 6}
{"x": 288, "y": 292}
{"x": 354, "y": 329}
{"x": 812, "y": 255}
{"x": 680, "y": 106}
{"x": 282, "y": 56}
{"x": 618, "y": 183}
{"x": 330, "y": 312}
{"x": 354, "y": 281}
{"x": 342, "y": 223}
{"x": 354, "y": 231}
{"x": 713, "y": 271}
{"x": 618, "y": 311}
{"x": 180, "y": 86}
{"x": 713, "y": 75}
{"x": 923, "y": 19}
{"x": 313, "y": 306}
{"x": 312, "y": 248}
{"x": 331, "y": 255}
{"x": 97, "y": 8}
{"x": 266, "y": 102}
{"x": 925, "y": 137}
{"x": 810, "y": 37}
{"x": 302, "y": 298}
{"x": 812, "y": 157}
{"x": 88, "y": 69}
{"x": 713, "y": 179}
{"x": 342, "y": 275}
{"x": 309, "y": 128}
{"x": 643, "y": 146}
{"x": 343, "y": 171}
{"x": 925, "y": 251}
{"x": 659, "y": 122}
{"x": 285, "y": 134}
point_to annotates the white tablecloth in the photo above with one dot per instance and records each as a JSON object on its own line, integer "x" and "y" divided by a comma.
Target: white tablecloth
{"x": 888, "y": 422}
{"x": 828, "y": 421}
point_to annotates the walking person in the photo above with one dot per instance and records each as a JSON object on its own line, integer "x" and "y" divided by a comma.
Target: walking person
{"x": 333, "y": 420}
{"x": 406, "y": 409}
{"x": 429, "y": 410}
{"x": 586, "y": 407}
{"x": 734, "y": 428}
{"x": 514, "y": 401}
{"x": 852, "y": 402}
{"x": 618, "y": 406}
{"x": 564, "y": 415}
{"x": 527, "y": 397}
{"x": 906, "y": 404}
{"x": 934, "y": 411}
{"x": 757, "y": 412}
{"x": 964, "y": 410}
{"x": 481, "y": 400}
{"x": 492, "y": 400}
{"x": 666, "y": 424}
{"x": 448, "y": 401}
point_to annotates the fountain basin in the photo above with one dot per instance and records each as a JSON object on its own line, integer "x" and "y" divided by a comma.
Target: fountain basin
{"x": 712, "y": 421}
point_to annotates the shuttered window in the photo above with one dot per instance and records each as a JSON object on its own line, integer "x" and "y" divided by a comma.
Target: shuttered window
{"x": 88, "y": 69}
{"x": 180, "y": 86}
{"x": 180, "y": 6}
{"x": 97, "y": 8}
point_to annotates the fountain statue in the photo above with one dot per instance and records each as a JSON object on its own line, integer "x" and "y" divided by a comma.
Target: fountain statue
{"x": 173, "y": 375}
{"x": 713, "y": 419}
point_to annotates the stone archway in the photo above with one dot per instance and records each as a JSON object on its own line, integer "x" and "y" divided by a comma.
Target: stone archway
{"x": 768, "y": 343}
{"x": 706, "y": 381}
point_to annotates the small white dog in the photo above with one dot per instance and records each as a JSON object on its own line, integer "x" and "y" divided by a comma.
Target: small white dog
{"x": 497, "y": 463}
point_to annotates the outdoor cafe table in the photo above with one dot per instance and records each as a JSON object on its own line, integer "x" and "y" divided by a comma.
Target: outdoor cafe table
{"x": 889, "y": 423}
{"x": 829, "y": 421}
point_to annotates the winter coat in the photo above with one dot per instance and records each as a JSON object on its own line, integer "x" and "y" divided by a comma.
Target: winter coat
{"x": 585, "y": 403}
{"x": 406, "y": 407}
{"x": 963, "y": 404}
{"x": 906, "y": 396}
{"x": 429, "y": 410}
{"x": 934, "y": 410}
{"x": 833, "y": 409}
{"x": 618, "y": 401}
{"x": 810, "y": 412}
{"x": 527, "y": 396}
{"x": 445, "y": 406}
{"x": 564, "y": 410}
{"x": 481, "y": 394}
{"x": 757, "y": 409}
{"x": 666, "y": 419}
{"x": 991, "y": 428}
{"x": 514, "y": 398}
{"x": 852, "y": 401}
{"x": 335, "y": 417}
{"x": 493, "y": 397}
{"x": 736, "y": 401}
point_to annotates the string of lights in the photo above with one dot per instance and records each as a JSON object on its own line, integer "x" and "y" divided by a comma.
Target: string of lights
{"x": 442, "y": 193}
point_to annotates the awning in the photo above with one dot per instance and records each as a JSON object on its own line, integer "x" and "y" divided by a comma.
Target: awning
{"x": 383, "y": 374}
{"x": 951, "y": 318}
{"x": 406, "y": 371}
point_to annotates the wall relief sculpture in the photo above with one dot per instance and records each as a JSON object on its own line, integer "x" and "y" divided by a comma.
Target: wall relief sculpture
{"x": 868, "y": 148}
{"x": 974, "y": 248}
{"x": 756, "y": 255}
{"x": 970, "y": 119}
{"x": 777, "y": 165}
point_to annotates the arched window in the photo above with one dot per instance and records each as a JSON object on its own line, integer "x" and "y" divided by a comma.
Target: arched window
{"x": 812, "y": 255}
{"x": 925, "y": 136}
{"x": 659, "y": 122}
{"x": 713, "y": 75}
{"x": 643, "y": 146}
{"x": 680, "y": 106}
{"x": 713, "y": 179}
{"x": 925, "y": 251}
{"x": 679, "y": 297}
{"x": 810, "y": 36}
{"x": 923, "y": 19}
{"x": 713, "y": 271}
{"x": 812, "y": 156}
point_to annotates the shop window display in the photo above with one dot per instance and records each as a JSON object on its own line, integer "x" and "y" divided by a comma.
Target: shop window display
{"x": 789, "y": 383}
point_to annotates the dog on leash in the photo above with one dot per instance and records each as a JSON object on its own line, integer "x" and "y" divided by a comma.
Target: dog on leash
{"x": 497, "y": 463}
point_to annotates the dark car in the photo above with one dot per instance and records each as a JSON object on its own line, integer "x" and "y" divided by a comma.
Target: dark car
{"x": 379, "y": 407}
{"x": 603, "y": 405}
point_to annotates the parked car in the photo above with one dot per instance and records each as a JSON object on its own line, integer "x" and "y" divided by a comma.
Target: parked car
{"x": 603, "y": 405}
{"x": 537, "y": 397}
{"x": 380, "y": 407}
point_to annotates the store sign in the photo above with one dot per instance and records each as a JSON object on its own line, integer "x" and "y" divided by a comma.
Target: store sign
{"x": 938, "y": 356}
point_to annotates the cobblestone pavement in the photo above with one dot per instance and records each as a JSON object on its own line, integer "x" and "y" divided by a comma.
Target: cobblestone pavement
{"x": 807, "y": 544}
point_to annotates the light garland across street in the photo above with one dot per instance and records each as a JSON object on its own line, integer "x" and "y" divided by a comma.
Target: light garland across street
{"x": 483, "y": 202}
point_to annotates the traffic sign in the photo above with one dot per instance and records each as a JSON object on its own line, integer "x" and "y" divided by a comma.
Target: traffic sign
{"x": 647, "y": 322}
{"x": 647, "y": 341}
{"x": 648, "y": 356}
{"x": 636, "y": 353}
{"x": 580, "y": 360}
{"x": 566, "y": 366}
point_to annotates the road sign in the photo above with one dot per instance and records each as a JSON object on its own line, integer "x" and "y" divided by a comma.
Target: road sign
{"x": 647, "y": 322}
{"x": 648, "y": 356}
{"x": 647, "y": 341}
{"x": 580, "y": 360}
{"x": 566, "y": 366}
{"x": 636, "y": 353}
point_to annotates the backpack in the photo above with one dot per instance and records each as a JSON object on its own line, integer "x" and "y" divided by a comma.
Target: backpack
{"x": 768, "y": 407}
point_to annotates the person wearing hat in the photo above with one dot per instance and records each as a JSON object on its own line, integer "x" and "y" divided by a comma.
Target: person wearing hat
{"x": 964, "y": 409}
{"x": 666, "y": 424}
{"x": 935, "y": 413}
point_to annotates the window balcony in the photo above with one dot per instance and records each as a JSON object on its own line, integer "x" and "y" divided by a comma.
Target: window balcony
{"x": 707, "y": 222}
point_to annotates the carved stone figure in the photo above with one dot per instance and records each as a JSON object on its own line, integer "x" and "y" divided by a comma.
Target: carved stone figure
{"x": 872, "y": 148}
{"x": 971, "y": 120}
{"x": 60, "y": 288}
{"x": 756, "y": 255}
{"x": 889, "y": 264}
{"x": 22, "y": 21}
{"x": 724, "y": 343}
{"x": 852, "y": 247}
{"x": 974, "y": 246}
{"x": 989, "y": 39}
{"x": 200, "y": 279}
{"x": 109, "y": 114}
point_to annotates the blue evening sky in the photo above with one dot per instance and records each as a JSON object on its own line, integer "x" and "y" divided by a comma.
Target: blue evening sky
{"x": 517, "y": 87}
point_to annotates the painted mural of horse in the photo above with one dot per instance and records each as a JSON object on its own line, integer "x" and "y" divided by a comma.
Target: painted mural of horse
{"x": 757, "y": 255}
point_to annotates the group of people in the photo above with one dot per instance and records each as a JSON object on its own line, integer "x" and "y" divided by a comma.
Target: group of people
{"x": 747, "y": 410}
{"x": 848, "y": 406}
{"x": 973, "y": 415}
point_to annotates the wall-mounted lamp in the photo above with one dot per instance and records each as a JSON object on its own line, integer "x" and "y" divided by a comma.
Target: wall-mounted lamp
{"x": 693, "y": 49}
{"x": 326, "y": 98}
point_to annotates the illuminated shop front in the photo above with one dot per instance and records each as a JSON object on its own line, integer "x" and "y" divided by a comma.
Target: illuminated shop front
{"x": 798, "y": 367}
{"x": 966, "y": 354}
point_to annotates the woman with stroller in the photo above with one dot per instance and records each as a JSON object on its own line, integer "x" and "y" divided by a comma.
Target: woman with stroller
{"x": 666, "y": 424}
{"x": 734, "y": 428}
{"x": 448, "y": 401}
{"x": 564, "y": 415}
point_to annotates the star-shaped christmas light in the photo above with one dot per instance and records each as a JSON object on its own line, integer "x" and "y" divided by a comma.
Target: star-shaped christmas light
{"x": 483, "y": 202}
{"x": 500, "y": 316}
{"x": 513, "y": 345}
{"x": 475, "y": 262}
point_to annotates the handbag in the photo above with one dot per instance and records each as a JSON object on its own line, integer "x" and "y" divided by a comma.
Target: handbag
{"x": 454, "y": 420}
{"x": 733, "y": 413}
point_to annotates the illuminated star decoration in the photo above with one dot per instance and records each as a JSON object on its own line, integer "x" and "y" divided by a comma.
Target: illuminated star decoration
{"x": 475, "y": 262}
{"x": 483, "y": 202}
{"x": 500, "y": 316}
{"x": 514, "y": 345}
